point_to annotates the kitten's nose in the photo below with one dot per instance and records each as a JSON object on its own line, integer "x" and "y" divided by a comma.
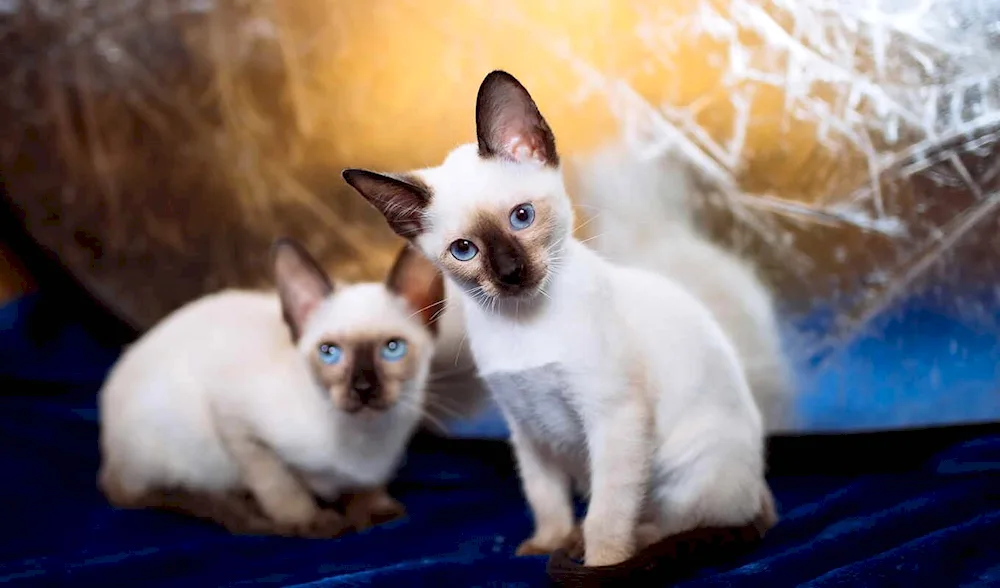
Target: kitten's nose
{"x": 506, "y": 259}
{"x": 510, "y": 272}
{"x": 364, "y": 386}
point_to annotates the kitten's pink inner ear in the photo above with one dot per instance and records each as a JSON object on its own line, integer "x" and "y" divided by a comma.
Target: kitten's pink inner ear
{"x": 420, "y": 283}
{"x": 509, "y": 125}
{"x": 524, "y": 150}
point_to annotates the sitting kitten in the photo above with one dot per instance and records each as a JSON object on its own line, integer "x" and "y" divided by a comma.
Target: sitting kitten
{"x": 614, "y": 378}
{"x": 242, "y": 406}
{"x": 643, "y": 218}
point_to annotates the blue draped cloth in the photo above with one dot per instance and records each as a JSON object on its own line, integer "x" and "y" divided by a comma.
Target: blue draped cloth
{"x": 897, "y": 509}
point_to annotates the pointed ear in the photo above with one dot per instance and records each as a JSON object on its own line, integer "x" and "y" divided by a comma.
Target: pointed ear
{"x": 302, "y": 283}
{"x": 420, "y": 283}
{"x": 400, "y": 199}
{"x": 508, "y": 123}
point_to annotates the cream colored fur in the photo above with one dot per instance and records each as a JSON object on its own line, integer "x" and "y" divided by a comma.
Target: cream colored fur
{"x": 642, "y": 217}
{"x": 218, "y": 398}
{"x": 671, "y": 432}
{"x": 614, "y": 379}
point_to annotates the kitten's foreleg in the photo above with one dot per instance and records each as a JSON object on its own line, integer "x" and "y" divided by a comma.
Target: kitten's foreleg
{"x": 278, "y": 491}
{"x": 547, "y": 489}
{"x": 619, "y": 441}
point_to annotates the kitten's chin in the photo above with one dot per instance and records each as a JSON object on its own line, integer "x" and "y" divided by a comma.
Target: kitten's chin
{"x": 353, "y": 408}
{"x": 515, "y": 296}
{"x": 519, "y": 294}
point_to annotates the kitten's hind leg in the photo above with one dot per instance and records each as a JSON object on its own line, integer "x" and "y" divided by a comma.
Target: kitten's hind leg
{"x": 724, "y": 488}
{"x": 235, "y": 511}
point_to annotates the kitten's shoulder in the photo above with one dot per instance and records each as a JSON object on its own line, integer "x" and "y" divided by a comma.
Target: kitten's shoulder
{"x": 206, "y": 324}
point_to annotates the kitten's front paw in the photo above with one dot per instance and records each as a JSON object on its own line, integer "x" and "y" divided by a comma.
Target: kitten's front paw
{"x": 326, "y": 524}
{"x": 367, "y": 509}
{"x": 607, "y": 555}
{"x": 608, "y": 541}
{"x": 538, "y": 544}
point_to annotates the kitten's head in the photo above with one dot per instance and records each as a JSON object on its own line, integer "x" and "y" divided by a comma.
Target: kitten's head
{"x": 369, "y": 345}
{"x": 495, "y": 215}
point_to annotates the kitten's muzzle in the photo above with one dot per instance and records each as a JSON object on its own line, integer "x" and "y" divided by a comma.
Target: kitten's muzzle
{"x": 510, "y": 272}
{"x": 365, "y": 389}
{"x": 509, "y": 266}
{"x": 365, "y": 386}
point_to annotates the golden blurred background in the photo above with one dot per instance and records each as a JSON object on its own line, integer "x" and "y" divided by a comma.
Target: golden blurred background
{"x": 157, "y": 151}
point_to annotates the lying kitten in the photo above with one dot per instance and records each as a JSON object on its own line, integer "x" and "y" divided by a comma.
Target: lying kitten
{"x": 242, "y": 406}
{"x": 643, "y": 218}
{"x": 612, "y": 377}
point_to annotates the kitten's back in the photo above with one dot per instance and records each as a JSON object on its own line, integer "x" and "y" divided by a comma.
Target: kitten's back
{"x": 156, "y": 421}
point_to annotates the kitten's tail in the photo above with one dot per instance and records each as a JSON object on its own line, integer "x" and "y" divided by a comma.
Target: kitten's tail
{"x": 631, "y": 201}
{"x": 666, "y": 562}
{"x": 642, "y": 215}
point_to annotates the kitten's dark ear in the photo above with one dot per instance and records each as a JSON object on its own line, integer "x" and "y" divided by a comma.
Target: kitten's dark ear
{"x": 508, "y": 123}
{"x": 400, "y": 199}
{"x": 418, "y": 281}
{"x": 302, "y": 283}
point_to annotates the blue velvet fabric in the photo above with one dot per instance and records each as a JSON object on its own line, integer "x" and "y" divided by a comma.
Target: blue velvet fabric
{"x": 857, "y": 511}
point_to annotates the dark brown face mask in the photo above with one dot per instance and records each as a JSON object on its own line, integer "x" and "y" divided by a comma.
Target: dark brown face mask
{"x": 667, "y": 561}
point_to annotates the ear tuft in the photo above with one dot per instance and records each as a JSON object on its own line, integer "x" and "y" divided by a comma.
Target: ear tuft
{"x": 302, "y": 284}
{"x": 420, "y": 283}
{"x": 400, "y": 199}
{"x": 509, "y": 125}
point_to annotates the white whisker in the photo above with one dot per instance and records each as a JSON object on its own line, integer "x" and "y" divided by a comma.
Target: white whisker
{"x": 438, "y": 404}
{"x": 460, "y": 343}
{"x": 591, "y": 238}
{"x": 422, "y": 413}
{"x": 428, "y": 307}
{"x": 586, "y": 222}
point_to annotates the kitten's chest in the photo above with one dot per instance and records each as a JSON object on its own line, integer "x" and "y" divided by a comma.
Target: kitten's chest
{"x": 541, "y": 402}
{"x": 347, "y": 459}
{"x": 556, "y": 337}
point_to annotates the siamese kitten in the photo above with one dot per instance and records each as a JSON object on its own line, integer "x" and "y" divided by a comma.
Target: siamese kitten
{"x": 613, "y": 378}
{"x": 243, "y": 407}
{"x": 643, "y": 218}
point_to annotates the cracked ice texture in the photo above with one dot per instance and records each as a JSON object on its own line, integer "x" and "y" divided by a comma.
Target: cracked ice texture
{"x": 912, "y": 89}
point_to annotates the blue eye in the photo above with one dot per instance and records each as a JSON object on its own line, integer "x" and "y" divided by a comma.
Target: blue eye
{"x": 463, "y": 250}
{"x": 330, "y": 353}
{"x": 394, "y": 350}
{"x": 522, "y": 216}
